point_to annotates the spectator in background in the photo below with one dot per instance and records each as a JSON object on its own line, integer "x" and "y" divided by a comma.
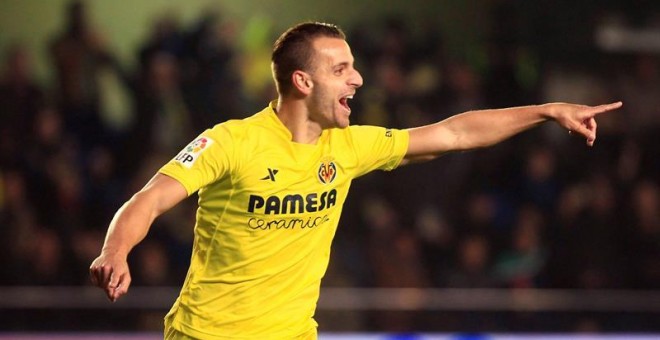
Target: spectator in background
{"x": 643, "y": 242}
{"x": 17, "y": 218}
{"x": 211, "y": 81}
{"x": 640, "y": 85}
{"x": 187, "y": 80}
{"x": 465, "y": 91}
{"x": 396, "y": 261}
{"x": 540, "y": 185}
{"x": 162, "y": 119}
{"x": 639, "y": 82}
{"x": 53, "y": 163}
{"x": 20, "y": 100}
{"x": 438, "y": 240}
{"x": 78, "y": 53}
{"x": 522, "y": 263}
{"x": 46, "y": 264}
{"x": 503, "y": 85}
{"x": 166, "y": 36}
{"x": 103, "y": 186}
{"x": 588, "y": 249}
{"x": 165, "y": 122}
{"x": 479, "y": 216}
{"x": 473, "y": 263}
{"x": 394, "y": 250}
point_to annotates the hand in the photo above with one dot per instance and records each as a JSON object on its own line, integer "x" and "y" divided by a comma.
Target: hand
{"x": 110, "y": 273}
{"x": 580, "y": 118}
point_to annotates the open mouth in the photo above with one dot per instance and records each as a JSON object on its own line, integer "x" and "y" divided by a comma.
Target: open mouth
{"x": 344, "y": 102}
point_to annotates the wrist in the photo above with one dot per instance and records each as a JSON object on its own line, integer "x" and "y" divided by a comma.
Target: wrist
{"x": 549, "y": 111}
{"x": 115, "y": 251}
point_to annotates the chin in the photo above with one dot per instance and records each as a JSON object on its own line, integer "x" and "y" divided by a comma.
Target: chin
{"x": 343, "y": 124}
{"x": 344, "y": 121}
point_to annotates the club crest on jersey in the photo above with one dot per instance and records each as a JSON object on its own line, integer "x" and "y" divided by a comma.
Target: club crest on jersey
{"x": 327, "y": 172}
{"x": 190, "y": 153}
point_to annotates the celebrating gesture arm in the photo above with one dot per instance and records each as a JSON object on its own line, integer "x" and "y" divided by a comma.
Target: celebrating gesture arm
{"x": 130, "y": 225}
{"x": 477, "y": 129}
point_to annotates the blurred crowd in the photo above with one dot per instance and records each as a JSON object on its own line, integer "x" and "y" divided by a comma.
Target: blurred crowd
{"x": 541, "y": 210}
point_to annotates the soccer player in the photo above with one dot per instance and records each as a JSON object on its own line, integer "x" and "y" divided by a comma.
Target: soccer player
{"x": 271, "y": 189}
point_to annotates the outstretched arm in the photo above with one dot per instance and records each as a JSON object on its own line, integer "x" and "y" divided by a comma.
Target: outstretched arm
{"x": 477, "y": 129}
{"x": 129, "y": 226}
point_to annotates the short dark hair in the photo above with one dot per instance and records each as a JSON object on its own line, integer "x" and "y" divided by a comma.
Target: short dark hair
{"x": 293, "y": 50}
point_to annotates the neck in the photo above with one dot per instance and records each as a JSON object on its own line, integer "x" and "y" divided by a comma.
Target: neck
{"x": 295, "y": 116}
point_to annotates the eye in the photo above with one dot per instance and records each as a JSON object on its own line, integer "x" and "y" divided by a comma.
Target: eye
{"x": 339, "y": 71}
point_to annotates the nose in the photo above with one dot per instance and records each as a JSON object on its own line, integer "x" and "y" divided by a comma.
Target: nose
{"x": 355, "y": 79}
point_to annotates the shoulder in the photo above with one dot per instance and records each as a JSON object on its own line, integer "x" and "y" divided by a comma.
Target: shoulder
{"x": 368, "y": 131}
{"x": 235, "y": 128}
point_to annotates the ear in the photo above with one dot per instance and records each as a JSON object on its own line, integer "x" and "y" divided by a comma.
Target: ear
{"x": 302, "y": 81}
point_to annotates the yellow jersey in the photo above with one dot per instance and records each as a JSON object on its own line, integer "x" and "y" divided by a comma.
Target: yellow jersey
{"x": 267, "y": 213}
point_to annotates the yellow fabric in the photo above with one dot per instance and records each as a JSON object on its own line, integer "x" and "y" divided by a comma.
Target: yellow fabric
{"x": 268, "y": 210}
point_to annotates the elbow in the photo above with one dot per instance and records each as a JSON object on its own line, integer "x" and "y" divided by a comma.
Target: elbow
{"x": 145, "y": 203}
{"x": 419, "y": 158}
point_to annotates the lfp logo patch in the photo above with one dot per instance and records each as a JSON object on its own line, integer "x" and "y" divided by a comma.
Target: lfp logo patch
{"x": 327, "y": 172}
{"x": 190, "y": 153}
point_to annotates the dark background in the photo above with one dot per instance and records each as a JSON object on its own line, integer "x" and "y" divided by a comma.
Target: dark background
{"x": 86, "y": 117}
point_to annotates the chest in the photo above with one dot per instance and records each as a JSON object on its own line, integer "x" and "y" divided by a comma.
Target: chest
{"x": 273, "y": 169}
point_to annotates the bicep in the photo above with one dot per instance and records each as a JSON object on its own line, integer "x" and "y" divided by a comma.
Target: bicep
{"x": 164, "y": 192}
{"x": 133, "y": 219}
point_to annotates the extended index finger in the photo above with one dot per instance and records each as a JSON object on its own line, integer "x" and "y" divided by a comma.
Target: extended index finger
{"x": 604, "y": 108}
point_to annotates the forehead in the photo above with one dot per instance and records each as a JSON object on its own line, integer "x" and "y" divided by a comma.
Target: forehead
{"x": 332, "y": 50}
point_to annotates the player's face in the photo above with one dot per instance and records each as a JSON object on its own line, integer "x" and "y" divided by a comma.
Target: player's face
{"x": 335, "y": 81}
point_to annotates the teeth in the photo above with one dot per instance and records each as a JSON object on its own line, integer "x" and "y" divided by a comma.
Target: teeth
{"x": 349, "y": 97}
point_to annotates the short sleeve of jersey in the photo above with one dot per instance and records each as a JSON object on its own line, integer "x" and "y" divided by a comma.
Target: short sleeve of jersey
{"x": 203, "y": 161}
{"x": 378, "y": 148}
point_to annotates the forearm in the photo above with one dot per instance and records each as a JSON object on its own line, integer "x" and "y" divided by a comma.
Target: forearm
{"x": 474, "y": 129}
{"x": 130, "y": 225}
{"x": 477, "y": 129}
{"x": 133, "y": 220}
